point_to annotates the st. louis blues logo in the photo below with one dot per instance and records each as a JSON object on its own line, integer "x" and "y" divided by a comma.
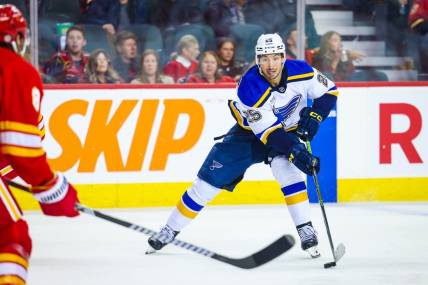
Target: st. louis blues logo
{"x": 215, "y": 165}
{"x": 285, "y": 111}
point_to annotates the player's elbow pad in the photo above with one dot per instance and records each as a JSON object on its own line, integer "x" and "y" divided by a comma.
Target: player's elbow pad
{"x": 281, "y": 141}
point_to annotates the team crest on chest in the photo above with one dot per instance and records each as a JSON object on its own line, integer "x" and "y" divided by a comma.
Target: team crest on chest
{"x": 285, "y": 111}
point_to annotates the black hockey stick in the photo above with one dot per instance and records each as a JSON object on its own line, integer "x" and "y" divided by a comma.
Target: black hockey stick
{"x": 270, "y": 252}
{"x": 339, "y": 252}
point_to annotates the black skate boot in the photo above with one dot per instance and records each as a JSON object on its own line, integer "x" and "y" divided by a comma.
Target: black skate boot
{"x": 309, "y": 239}
{"x": 159, "y": 240}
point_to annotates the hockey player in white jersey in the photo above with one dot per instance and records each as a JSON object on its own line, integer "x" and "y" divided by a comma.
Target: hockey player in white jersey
{"x": 272, "y": 121}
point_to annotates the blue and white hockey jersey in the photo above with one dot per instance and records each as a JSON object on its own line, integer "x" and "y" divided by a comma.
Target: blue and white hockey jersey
{"x": 263, "y": 108}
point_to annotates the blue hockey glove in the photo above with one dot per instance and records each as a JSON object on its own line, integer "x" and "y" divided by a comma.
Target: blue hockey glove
{"x": 303, "y": 160}
{"x": 308, "y": 124}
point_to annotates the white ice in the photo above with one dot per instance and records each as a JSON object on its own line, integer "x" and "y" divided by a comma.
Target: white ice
{"x": 386, "y": 244}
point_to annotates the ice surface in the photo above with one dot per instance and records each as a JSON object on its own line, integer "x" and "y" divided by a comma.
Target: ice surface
{"x": 385, "y": 243}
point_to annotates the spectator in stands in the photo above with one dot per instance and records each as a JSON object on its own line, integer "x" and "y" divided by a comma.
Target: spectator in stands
{"x": 228, "y": 64}
{"x": 222, "y": 14}
{"x": 100, "y": 70}
{"x": 208, "y": 71}
{"x": 270, "y": 14}
{"x": 185, "y": 61}
{"x": 277, "y": 16}
{"x": 122, "y": 15}
{"x": 185, "y": 12}
{"x": 394, "y": 29}
{"x": 369, "y": 74}
{"x": 333, "y": 60}
{"x": 150, "y": 70}
{"x": 418, "y": 17}
{"x": 116, "y": 15}
{"x": 363, "y": 10}
{"x": 145, "y": 11}
{"x": 68, "y": 66}
{"x": 418, "y": 21}
{"x": 291, "y": 46}
{"x": 126, "y": 63}
{"x": 100, "y": 12}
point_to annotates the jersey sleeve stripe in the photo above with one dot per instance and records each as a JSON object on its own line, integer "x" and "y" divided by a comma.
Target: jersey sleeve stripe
{"x": 263, "y": 99}
{"x": 9, "y": 203}
{"x": 4, "y": 171}
{"x": 41, "y": 126}
{"x": 8, "y": 279}
{"x": 40, "y": 118}
{"x": 19, "y": 127}
{"x": 333, "y": 92}
{"x": 10, "y": 257}
{"x": 22, "y": 151}
{"x": 291, "y": 128}
{"x": 11, "y": 269}
{"x": 268, "y": 131}
{"x": 237, "y": 115}
{"x": 20, "y": 139}
{"x": 415, "y": 23}
{"x": 299, "y": 77}
{"x": 42, "y": 133}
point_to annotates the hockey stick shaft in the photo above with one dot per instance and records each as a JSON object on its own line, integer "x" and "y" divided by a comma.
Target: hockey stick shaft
{"x": 123, "y": 223}
{"x": 261, "y": 257}
{"x": 321, "y": 202}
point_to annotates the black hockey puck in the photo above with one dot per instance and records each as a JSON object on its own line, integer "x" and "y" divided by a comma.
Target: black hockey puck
{"x": 329, "y": 264}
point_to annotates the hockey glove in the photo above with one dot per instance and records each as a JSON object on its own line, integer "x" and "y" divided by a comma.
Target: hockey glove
{"x": 303, "y": 160}
{"x": 308, "y": 124}
{"x": 57, "y": 198}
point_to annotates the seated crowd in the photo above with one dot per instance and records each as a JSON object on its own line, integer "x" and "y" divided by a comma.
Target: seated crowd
{"x": 186, "y": 65}
{"x": 74, "y": 65}
{"x": 186, "y": 54}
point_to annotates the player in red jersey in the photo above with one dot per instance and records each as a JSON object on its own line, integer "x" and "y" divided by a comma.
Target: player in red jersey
{"x": 418, "y": 17}
{"x": 20, "y": 147}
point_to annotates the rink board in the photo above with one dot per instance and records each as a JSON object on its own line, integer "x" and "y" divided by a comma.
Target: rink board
{"x": 382, "y": 142}
{"x": 138, "y": 146}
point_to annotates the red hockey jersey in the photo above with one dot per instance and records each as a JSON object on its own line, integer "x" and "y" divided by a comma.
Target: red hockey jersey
{"x": 21, "y": 130}
{"x": 418, "y": 14}
{"x": 177, "y": 70}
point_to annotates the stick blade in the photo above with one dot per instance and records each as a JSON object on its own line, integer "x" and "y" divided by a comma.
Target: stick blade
{"x": 339, "y": 252}
{"x": 270, "y": 252}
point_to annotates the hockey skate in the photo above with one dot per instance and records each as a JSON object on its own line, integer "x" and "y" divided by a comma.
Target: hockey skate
{"x": 159, "y": 240}
{"x": 309, "y": 239}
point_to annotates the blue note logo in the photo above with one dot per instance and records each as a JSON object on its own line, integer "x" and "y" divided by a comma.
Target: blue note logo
{"x": 284, "y": 112}
{"x": 215, "y": 165}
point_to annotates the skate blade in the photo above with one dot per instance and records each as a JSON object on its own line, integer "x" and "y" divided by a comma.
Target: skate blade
{"x": 150, "y": 250}
{"x": 313, "y": 252}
